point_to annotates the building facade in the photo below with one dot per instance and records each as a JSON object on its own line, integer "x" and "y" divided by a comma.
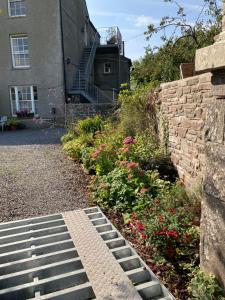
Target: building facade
{"x": 51, "y": 54}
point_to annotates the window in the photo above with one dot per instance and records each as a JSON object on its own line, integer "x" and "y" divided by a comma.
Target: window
{"x": 107, "y": 68}
{"x": 20, "y": 52}
{"x": 24, "y": 98}
{"x": 17, "y": 8}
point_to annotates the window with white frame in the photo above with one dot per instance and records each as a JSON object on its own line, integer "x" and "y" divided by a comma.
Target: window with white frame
{"x": 20, "y": 51}
{"x": 17, "y": 8}
{"x": 107, "y": 68}
{"x": 24, "y": 99}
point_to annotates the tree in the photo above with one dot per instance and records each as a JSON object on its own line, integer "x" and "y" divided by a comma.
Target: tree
{"x": 180, "y": 40}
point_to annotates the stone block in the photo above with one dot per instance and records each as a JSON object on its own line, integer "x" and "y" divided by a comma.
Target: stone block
{"x": 191, "y": 137}
{"x": 186, "y": 90}
{"x": 210, "y": 58}
{"x": 193, "y": 81}
{"x": 182, "y": 132}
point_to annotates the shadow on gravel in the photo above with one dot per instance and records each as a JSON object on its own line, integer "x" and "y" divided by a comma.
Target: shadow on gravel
{"x": 31, "y": 137}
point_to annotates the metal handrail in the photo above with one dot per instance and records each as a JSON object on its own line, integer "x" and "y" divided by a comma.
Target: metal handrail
{"x": 92, "y": 55}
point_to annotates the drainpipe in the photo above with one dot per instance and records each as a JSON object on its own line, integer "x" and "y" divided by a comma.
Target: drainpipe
{"x": 63, "y": 51}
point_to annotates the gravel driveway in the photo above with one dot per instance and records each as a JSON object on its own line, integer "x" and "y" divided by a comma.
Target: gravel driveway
{"x": 35, "y": 176}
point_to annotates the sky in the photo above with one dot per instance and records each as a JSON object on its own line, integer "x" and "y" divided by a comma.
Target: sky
{"x": 133, "y": 16}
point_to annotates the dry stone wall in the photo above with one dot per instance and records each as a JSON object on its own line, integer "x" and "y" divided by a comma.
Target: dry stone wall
{"x": 183, "y": 110}
{"x": 192, "y": 117}
{"x": 78, "y": 111}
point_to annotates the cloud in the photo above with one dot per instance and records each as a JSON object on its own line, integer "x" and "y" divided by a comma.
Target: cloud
{"x": 143, "y": 21}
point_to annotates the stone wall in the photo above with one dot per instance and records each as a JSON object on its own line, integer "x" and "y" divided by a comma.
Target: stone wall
{"x": 192, "y": 117}
{"x": 183, "y": 110}
{"x": 77, "y": 111}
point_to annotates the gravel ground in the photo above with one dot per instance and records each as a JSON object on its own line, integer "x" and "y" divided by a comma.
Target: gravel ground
{"x": 35, "y": 176}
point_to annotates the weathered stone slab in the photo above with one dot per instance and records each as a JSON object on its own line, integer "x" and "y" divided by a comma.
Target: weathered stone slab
{"x": 210, "y": 58}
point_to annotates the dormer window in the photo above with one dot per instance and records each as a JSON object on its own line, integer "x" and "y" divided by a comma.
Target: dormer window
{"x": 17, "y": 8}
{"x": 107, "y": 68}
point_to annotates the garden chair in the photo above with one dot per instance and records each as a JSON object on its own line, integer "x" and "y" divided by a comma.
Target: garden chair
{"x": 3, "y": 120}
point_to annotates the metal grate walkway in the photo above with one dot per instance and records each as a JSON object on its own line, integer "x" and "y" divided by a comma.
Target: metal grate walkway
{"x": 72, "y": 256}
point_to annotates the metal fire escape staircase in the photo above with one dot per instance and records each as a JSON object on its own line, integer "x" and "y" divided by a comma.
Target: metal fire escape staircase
{"x": 82, "y": 85}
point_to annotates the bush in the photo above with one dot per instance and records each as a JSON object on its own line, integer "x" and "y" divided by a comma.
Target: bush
{"x": 75, "y": 147}
{"x": 204, "y": 286}
{"x": 90, "y": 125}
{"x": 127, "y": 187}
{"x": 68, "y": 137}
{"x": 137, "y": 113}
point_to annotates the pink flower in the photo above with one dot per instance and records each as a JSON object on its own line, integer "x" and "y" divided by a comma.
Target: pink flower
{"x": 132, "y": 165}
{"x": 102, "y": 147}
{"x": 96, "y": 154}
{"x": 143, "y": 191}
{"x": 125, "y": 150}
{"x": 129, "y": 140}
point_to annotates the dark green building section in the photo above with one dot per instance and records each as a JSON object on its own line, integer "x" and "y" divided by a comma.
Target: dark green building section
{"x": 110, "y": 83}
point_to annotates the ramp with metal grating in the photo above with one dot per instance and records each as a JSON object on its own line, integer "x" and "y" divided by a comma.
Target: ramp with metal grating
{"x": 72, "y": 256}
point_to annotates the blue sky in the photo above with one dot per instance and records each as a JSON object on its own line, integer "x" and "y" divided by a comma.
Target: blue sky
{"x": 133, "y": 16}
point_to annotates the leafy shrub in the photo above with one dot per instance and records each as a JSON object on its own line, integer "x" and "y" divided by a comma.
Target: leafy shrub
{"x": 69, "y": 136}
{"x": 127, "y": 187}
{"x": 204, "y": 286}
{"x": 74, "y": 147}
{"x": 136, "y": 114}
{"x": 90, "y": 125}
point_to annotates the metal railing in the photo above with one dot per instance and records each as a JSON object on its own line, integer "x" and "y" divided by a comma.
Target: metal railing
{"x": 91, "y": 90}
{"x": 111, "y": 36}
{"x": 92, "y": 56}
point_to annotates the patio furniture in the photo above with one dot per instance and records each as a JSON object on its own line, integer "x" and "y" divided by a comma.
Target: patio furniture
{"x": 3, "y": 120}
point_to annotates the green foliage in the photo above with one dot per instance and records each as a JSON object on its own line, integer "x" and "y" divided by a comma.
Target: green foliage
{"x": 204, "y": 286}
{"x": 127, "y": 187}
{"x": 75, "y": 147}
{"x": 144, "y": 149}
{"x": 13, "y": 122}
{"x": 135, "y": 111}
{"x": 180, "y": 40}
{"x": 69, "y": 136}
{"x": 89, "y": 125}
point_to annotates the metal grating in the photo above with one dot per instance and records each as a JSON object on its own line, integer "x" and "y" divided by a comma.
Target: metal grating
{"x": 38, "y": 260}
{"x": 144, "y": 280}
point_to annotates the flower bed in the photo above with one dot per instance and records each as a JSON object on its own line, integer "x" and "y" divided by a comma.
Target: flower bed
{"x": 130, "y": 182}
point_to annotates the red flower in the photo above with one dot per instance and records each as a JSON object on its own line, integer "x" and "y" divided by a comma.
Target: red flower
{"x": 141, "y": 172}
{"x": 140, "y": 226}
{"x": 157, "y": 202}
{"x": 144, "y": 236}
{"x": 173, "y": 234}
{"x": 129, "y": 140}
{"x": 160, "y": 218}
{"x": 132, "y": 165}
{"x": 143, "y": 191}
{"x": 172, "y": 211}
